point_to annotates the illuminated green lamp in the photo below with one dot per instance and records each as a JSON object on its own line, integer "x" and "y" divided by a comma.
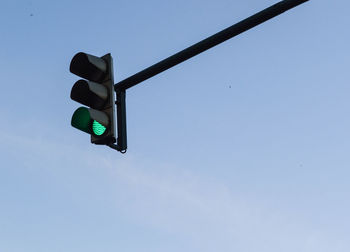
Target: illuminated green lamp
{"x": 90, "y": 121}
{"x": 97, "y": 128}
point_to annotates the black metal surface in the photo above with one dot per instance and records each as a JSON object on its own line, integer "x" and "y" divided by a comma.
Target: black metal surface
{"x": 121, "y": 145}
{"x": 208, "y": 43}
{"x": 81, "y": 93}
{"x": 88, "y": 66}
{"x": 121, "y": 121}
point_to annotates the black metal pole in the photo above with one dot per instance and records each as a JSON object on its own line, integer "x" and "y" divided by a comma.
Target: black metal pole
{"x": 121, "y": 119}
{"x": 121, "y": 123}
{"x": 208, "y": 43}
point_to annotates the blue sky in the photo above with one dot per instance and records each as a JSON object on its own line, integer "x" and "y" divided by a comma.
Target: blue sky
{"x": 242, "y": 148}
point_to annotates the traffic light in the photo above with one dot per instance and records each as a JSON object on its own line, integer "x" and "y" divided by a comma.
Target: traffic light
{"x": 96, "y": 91}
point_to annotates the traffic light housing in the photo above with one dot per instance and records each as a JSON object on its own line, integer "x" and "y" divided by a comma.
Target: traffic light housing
{"x": 96, "y": 91}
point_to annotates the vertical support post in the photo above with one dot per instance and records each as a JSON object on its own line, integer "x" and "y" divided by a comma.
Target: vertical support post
{"x": 121, "y": 121}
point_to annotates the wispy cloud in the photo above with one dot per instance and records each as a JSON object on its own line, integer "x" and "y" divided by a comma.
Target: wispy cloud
{"x": 179, "y": 202}
{"x": 215, "y": 218}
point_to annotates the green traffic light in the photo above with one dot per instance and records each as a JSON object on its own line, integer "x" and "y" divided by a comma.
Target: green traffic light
{"x": 97, "y": 128}
{"x": 81, "y": 119}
